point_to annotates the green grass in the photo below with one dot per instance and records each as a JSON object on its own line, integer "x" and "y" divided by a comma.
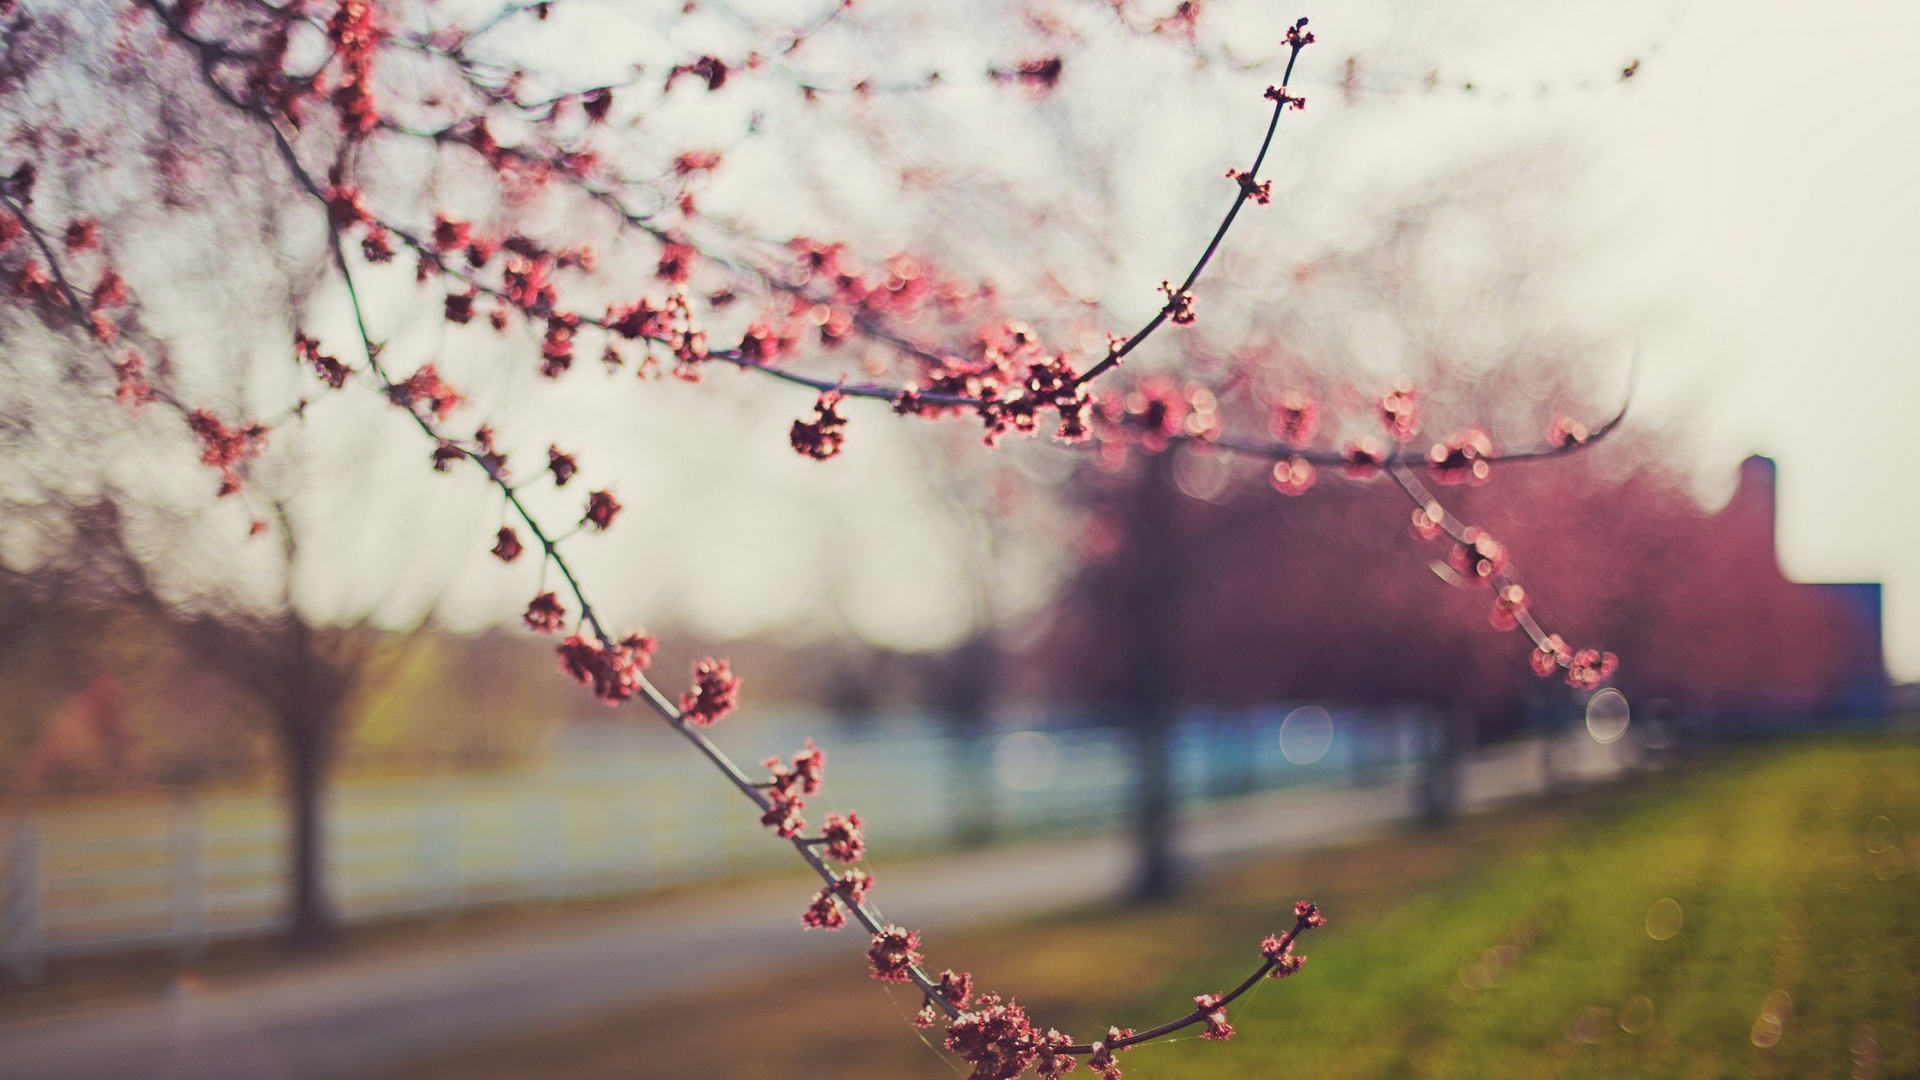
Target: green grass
{"x": 1508, "y": 945}
{"x": 1525, "y": 968}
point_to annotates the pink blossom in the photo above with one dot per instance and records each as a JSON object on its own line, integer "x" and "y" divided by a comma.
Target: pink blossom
{"x": 83, "y": 234}
{"x": 1051, "y": 1060}
{"x": 1462, "y": 458}
{"x": 1508, "y": 603}
{"x": 1400, "y": 412}
{"x": 676, "y": 263}
{"x": 1294, "y": 476}
{"x": 823, "y": 913}
{"x": 1279, "y": 952}
{"x": 1566, "y": 431}
{"x": 563, "y": 466}
{"x": 782, "y": 815}
{"x": 601, "y": 508}
{"x": 1179, "y": 309}
{"x": 130, "y": 374}
{"x": 425, "y": 387}
{"x": 545, "y": 615}
{"x": 714, "y": 694}
{"x": 612, "y": 671}
{"x": 821, "y": 437}
{"x": 109, "y": 292}
{"x": 844, "y": 841}
{"x": 329, "y": 368}
{"x": 1296, "y": 418}
{"x": 596, "y": 103}
{"x": 995, "y": 1038}
{"x": 446, "y": 455}
{"x": 506, "y": 545}
{"x": 226, "y": 447}
{"x": 893, "y": 953}
{"x": 1589, "y": 668}
{"x": 956, "y": 988}
{"x": 1260, "y": 192}
{"x": 1479, "y": 557}
{"x": 1427, "y": 521}
{"x": 1364, "y": 458}
{"x": 1216, "y": 1017}
{"x": 1549, "y": 657}
{"x": 1101, "y": 1060}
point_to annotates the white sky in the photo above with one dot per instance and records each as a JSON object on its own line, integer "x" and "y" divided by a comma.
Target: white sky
{"x": 1781, "y": 144}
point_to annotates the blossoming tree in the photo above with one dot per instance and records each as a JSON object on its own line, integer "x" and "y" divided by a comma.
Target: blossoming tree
{"x": 452, "y": 159}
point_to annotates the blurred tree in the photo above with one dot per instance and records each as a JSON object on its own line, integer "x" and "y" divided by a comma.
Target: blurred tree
{"x": 1311, "y": 599}
{"x": 299, "y": 677}
{"x": 303, "y": 676}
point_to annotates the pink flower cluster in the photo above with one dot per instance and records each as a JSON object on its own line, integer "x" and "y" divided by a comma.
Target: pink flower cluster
{"x": 715, "y": 692}
{"x": 226, "y": 447}
{"x": 826, "y": 911}
{"x": 821, "y": 437}
{"x": 894, "y": 953}
{"x": 998, "y": 1040}
{"x": 787, "y": 788}
{"x": 613, "y": 671}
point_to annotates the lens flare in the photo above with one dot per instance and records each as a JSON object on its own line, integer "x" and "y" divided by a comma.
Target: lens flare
{"x": 1880, "y": 834}
{"x": 1306, "y": 734}
{"x": 1636, "y": 1015}
{"x": 1664, "y": 919}
{"x": 1607, "y": 716}
{"x": 1026, "y": 760}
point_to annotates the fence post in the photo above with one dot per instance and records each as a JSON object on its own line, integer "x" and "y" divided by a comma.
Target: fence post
{"x": 439, "y": 850}
{"x": 187, "y": 865}
{"x": 1438, "y": 783}
{"x": 543, "y": 859}
{"x": 23, "y": 939}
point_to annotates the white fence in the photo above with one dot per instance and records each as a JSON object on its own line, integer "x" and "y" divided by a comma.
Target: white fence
{"x": 614, "y": 809}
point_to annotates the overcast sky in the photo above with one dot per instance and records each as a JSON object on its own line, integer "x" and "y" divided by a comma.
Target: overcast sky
{"x": 1782, "y": 142}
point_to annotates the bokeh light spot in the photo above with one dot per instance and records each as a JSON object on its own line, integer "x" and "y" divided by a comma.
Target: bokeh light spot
{"x": 1026, "y": 760}
{"x": 1772, "y": 1021}
{"x": 1608, "y": 715}
{"x": 1589, "y": 1025}
{"x": 1866, "y": 1054}
{"x": 1664, "y": 919}
{"x": 1880, "y": 834}
{"x": 1306, "y": 734}
{"x": 1636, "y": 1015}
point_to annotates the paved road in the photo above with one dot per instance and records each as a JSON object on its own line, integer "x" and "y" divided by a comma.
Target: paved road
{"x": 359, "y": 1014}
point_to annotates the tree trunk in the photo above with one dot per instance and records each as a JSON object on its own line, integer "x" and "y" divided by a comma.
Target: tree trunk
{"x": 962, "y": 691}
{"x": 306, "y": 744}
{"x": 971, "y": 749}
{"x": 1438, "y": 786}
{"x": 1156, "y": 875}
{"x": 314, "y": 694}
{"x": 1153, "y": 634}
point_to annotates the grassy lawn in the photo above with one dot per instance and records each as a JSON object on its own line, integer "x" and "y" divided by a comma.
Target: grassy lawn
{"x": 1518, "y": 944}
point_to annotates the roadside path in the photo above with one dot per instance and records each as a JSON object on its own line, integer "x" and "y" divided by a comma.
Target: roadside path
{"x": 360, "y": 1014}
